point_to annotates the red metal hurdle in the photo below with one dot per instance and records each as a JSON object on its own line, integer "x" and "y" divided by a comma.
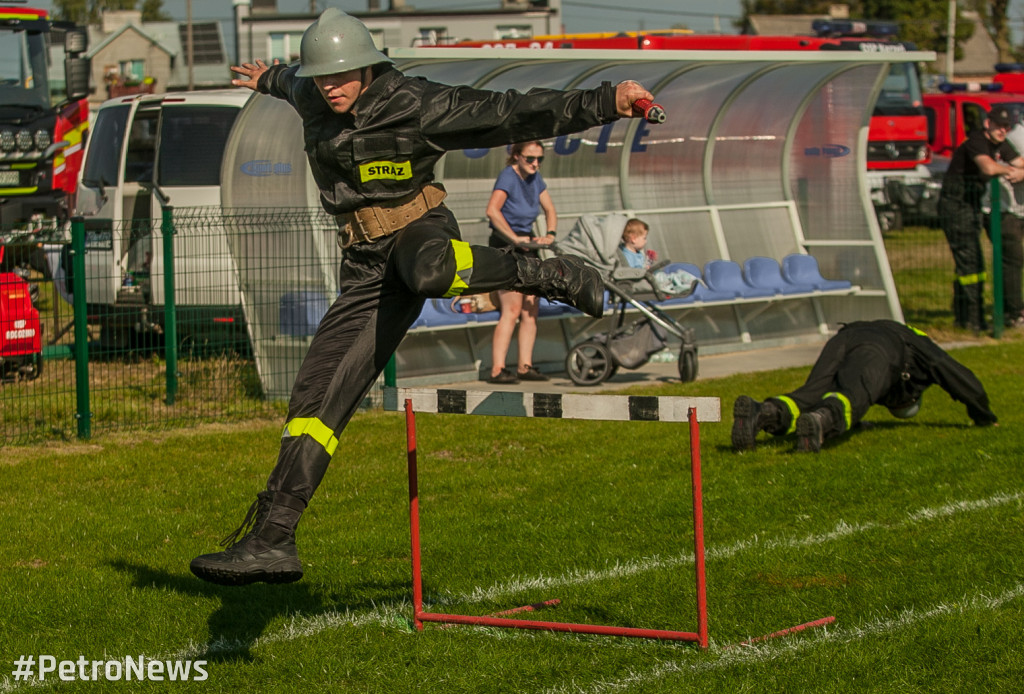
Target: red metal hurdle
{"x": 593, "y": 407}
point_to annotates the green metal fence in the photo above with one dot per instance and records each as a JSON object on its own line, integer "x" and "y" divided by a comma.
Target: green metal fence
{"x": 144, "y": 324}
{"x": 923, "y": 269}
{"x": 204, "y": 315}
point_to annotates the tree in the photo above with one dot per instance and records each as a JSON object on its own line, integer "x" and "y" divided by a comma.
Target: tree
{"x": 153, "y": 11}
{"x": 994, "y": 17}
{"x": 922, "y": 22}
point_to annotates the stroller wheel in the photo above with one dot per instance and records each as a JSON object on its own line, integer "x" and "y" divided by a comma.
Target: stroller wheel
{"x": 589, "y": 363}
{"x": 687, "y": 365}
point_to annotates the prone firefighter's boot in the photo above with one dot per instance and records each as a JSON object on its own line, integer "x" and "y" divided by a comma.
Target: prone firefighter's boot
{"x": 563, "y": 278}
{"x": 749, "y": 417}
{"x": 265, "y": 553}
{"x": 812, "y": 428}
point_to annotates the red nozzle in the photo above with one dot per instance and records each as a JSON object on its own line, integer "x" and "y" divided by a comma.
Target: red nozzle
{"x": 652, "y": 112}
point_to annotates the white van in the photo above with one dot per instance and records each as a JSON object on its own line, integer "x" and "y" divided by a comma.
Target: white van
{"x": 144, "y": 153}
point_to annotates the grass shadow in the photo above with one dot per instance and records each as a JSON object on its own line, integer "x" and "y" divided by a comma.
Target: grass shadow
{"x": 246, "y": 611}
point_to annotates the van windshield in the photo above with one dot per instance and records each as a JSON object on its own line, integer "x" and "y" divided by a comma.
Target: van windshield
{"x": 192, "y": 141}
{"x": 901, "y": 92}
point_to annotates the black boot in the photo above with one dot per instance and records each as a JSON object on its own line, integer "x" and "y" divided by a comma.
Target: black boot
{"x": 267, "y": 551}
{"x": 811, "y": 429}
{"x": 563, "y": 278}
{"x": 749, "y": 417}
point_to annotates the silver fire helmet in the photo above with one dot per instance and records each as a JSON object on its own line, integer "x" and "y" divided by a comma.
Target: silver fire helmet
{"x": 337, "y": 42}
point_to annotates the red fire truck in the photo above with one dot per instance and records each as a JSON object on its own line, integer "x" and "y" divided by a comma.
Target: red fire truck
{"x": 898, "y": 152}
{"x": 41, "y": 136}
{"x": 21, "y": 354}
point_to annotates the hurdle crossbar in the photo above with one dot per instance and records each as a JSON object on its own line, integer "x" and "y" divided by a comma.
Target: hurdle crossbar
{"x": 692, "y": 410}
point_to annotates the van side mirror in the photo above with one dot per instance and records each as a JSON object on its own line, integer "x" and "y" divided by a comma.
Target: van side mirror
{"x": 76, "y": 77}
{"x": 76, "y": 41}
{"x": 77, "y": 67}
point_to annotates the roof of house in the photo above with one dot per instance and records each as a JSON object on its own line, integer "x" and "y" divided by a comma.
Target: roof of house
{"x": 211, "y": 70}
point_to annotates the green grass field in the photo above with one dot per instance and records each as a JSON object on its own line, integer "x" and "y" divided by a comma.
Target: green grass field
{"x": 909, "y": 533}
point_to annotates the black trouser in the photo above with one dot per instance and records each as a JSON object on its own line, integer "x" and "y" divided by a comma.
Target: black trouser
{"x": 961, "y": 223}
{"x": 851, "y": 374}
{"x": 383, "y": 285}
{"x": 1013, "y": 264}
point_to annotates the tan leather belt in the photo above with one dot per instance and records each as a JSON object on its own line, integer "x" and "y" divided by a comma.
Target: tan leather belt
{"x": 373, "y": 222}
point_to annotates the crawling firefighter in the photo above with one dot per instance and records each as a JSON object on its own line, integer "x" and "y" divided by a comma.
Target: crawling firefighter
{"x": 866, "y": 363}
{"x": 372, "y": 137}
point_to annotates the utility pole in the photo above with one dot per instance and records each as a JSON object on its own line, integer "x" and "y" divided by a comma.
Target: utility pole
{"x": 950, "y": 40}
{"x": 188, "y": 46}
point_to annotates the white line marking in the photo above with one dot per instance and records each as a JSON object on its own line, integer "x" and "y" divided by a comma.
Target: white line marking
{"x": 300, "y": 626}
{"x": 773, "y": 650}
{"x": 637, "y": 566}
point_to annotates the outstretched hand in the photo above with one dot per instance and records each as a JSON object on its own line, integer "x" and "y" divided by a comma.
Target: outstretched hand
{"x": 252, "y": 73}
{"x": 626, "y": 94}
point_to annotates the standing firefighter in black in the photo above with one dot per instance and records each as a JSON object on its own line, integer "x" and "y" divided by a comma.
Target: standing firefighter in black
{"x": 372, "y": 137}
{"x": 866, "y": 363}
{"x": 984, "y": 154}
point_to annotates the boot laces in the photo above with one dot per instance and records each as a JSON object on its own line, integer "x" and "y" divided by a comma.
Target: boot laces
{"x": 253, "y": 517}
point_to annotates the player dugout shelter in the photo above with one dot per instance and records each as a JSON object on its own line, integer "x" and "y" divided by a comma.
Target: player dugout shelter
{"x": 763, "y": 154}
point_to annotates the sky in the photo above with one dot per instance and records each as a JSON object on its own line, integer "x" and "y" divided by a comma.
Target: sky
{"x": 580, "y": 15}
{"x": 704, "y": 16}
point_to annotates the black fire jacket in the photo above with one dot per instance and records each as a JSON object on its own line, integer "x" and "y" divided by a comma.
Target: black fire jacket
{"x": 403, "y": 125}
{"x": 915, "y": 363}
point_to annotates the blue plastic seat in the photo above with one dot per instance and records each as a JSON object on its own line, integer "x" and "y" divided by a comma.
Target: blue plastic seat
{"x": 799, "y": 268}
{"x": 438, "y": 312}
{"x": 726, "y": 277}
{"x": 552, "y": 308}
{"x": 301, "y": 312}
{"x": 764, "y": 273}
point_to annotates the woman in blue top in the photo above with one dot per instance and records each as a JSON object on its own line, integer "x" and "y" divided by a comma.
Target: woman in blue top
{"x": 518, "y": 196}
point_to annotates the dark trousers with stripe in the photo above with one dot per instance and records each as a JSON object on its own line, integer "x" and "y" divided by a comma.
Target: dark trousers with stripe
{"x": 961, "y": 223}
{"x": 383, "y": 285}
{"x": 851, "y": 374}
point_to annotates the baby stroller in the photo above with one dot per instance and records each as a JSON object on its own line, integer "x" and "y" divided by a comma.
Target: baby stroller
{"x": 596, "y": 239}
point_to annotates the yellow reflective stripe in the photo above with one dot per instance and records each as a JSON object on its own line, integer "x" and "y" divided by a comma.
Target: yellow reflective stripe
{"x": 918, "y": 332}
{"x": 315, "y": 429}
{"x": 74, "y": 139}
{"x": 794, "y": 411}
{"x": 972, "y": 279}
{"x": 377, "y": 170}
{"x": 463, "y": 269}
{"x": 847, "y": 407}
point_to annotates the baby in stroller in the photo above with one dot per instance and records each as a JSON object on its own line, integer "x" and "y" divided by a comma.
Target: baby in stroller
{"x": 616, "y": 245}
{"x": 633, "y": 253}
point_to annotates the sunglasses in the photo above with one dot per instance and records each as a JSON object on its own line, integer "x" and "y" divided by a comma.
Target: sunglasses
{"x": 530, "y": 160}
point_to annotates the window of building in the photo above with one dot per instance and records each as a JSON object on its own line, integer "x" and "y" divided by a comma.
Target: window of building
{"x": 132, "y": 69}
{"x": 431, "y": 36}
{"x": 284, "y": 46}
{"x": 513, "y": 31}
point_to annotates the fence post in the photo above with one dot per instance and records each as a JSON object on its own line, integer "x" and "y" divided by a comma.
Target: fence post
{"x": 391, "y": 373}
{"x": 996, "y": 224}
{"x": 82, "y": 410}
{"x": 170, "y": 312}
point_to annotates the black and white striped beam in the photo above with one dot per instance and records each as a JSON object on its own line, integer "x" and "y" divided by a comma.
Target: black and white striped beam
{"x": 643, "y": 408}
